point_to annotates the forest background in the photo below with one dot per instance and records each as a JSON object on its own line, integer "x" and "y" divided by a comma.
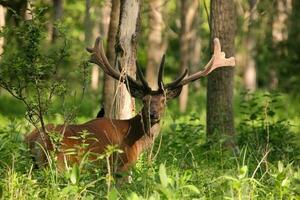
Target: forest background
{"x": 47, "y": 39}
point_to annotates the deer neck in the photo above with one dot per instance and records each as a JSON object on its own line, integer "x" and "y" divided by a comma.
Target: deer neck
{"x": 141, "y": 129}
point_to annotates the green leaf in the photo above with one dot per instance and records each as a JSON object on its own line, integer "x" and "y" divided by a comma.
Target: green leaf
{"x": 74, "y": 174}
{"x": 192, "y": 188}
{"x": 243, "y": 172}
{"x": 163, "y": 175}
{"x": 271, "y": 113}
{"x": 253, "y": 116}
{"x": 113, "y": 194}
{"x": 133, "y": 196}
{"x": 1, "y": 192}
{"x": 280, "y": 166}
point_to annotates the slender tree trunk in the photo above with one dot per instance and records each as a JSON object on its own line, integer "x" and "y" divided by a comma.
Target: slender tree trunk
{"x": 109, "y": 83}
{"x": 279, "y": 33}
{"x": 88, "y": 37}
{"x": 156, "y": 42}
{"x": 126, "y": 54}
{"x": 188, "y": 34}
{"x": 279, "y": 26}
{"x": 105, "y": 18}
{"x": 2, "y": 24}
{"x": 88, "y": 24}
{"x": 250, "y": 67}
{"x": 103, "y": 25}
{"x": 58, "y": 14}
{"x": 195, "y": 53}
{"x": 220, "y": 82}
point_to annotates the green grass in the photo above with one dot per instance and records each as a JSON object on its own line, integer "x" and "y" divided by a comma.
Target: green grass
{"x": 185, "y": 167}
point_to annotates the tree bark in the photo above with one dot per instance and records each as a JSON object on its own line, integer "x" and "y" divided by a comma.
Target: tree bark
{"x": 188, "y": 34}
{"x": 109, "y": 88}
{"x": 58, "y": 14}
{"x": 220, "y": 82}
{"x": 156, "y": 43}
{"x": 126, "y": 54}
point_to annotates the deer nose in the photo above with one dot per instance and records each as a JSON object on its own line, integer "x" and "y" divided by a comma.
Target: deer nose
{"x": 154, "y": 115}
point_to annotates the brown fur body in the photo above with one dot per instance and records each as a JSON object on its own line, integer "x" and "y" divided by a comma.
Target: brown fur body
{"x": 129, "y": 135}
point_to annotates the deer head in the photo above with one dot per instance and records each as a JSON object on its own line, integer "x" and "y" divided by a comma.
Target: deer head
{"x": 154, "y": 101}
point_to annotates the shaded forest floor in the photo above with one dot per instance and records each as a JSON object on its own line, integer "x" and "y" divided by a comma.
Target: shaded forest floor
{"x": 264, "y": 164}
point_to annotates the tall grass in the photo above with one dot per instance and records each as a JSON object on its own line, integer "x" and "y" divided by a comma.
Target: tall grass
{"x": 264, "y": 165}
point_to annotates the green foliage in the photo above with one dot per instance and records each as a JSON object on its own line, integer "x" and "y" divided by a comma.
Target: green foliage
{"x": 262, "y": 130}
{"x": 28, "y": 72}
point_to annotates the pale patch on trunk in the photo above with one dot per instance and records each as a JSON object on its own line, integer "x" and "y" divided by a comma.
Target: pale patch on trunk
{"x": 250, "y": 76}
{"x": 95, "y": 77}
{"x": 126, "y": 55}
{"x": 28, "y": 15}
{"x": 183, "y": 98}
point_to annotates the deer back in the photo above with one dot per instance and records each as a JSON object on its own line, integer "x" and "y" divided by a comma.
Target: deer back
{"x": 100, "y": 133}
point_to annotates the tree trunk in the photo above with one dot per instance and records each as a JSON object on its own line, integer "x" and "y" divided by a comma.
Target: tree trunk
{"x": 58, "y": 14}
{"x": 250, "y": 67}
{"x": 16, "y": 12}
{"x": 88, "y": 38}
{"x": 279, "y": 26}
{"x": 103, "y": 25}
{"x": 126, "y": 54}
{"x": 279, "y": 33}
{"x": 220, "y": 82}
{"x": 105, "y": 18}
{"x": 156, "y": 43}
{"x": 2, "y": 24}
{"x": 88, "y": 24}
{"x": 109, "y": 87}
{"x": 188, "y": 34}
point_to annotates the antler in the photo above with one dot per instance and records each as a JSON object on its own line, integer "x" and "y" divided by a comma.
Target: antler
{"x": 217, "y": 60}
{"x": 99, "y": 58}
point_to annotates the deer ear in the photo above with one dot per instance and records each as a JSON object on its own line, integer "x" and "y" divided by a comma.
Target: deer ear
{"x": 171, "y": 94}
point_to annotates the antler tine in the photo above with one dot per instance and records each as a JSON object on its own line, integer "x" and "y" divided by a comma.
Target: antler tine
{"x": 161, "y": 72}
{"x": 141, "y": 76}
{"x": 175, "y": 83}
{"x": 99, "y": 58}
{"x": 218, "y": 60}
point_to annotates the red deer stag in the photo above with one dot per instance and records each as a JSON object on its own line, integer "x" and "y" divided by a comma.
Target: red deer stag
{"x": 131, "y": 135}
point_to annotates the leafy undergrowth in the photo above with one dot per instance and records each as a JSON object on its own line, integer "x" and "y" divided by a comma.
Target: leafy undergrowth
{"x": 263, "y": 165}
